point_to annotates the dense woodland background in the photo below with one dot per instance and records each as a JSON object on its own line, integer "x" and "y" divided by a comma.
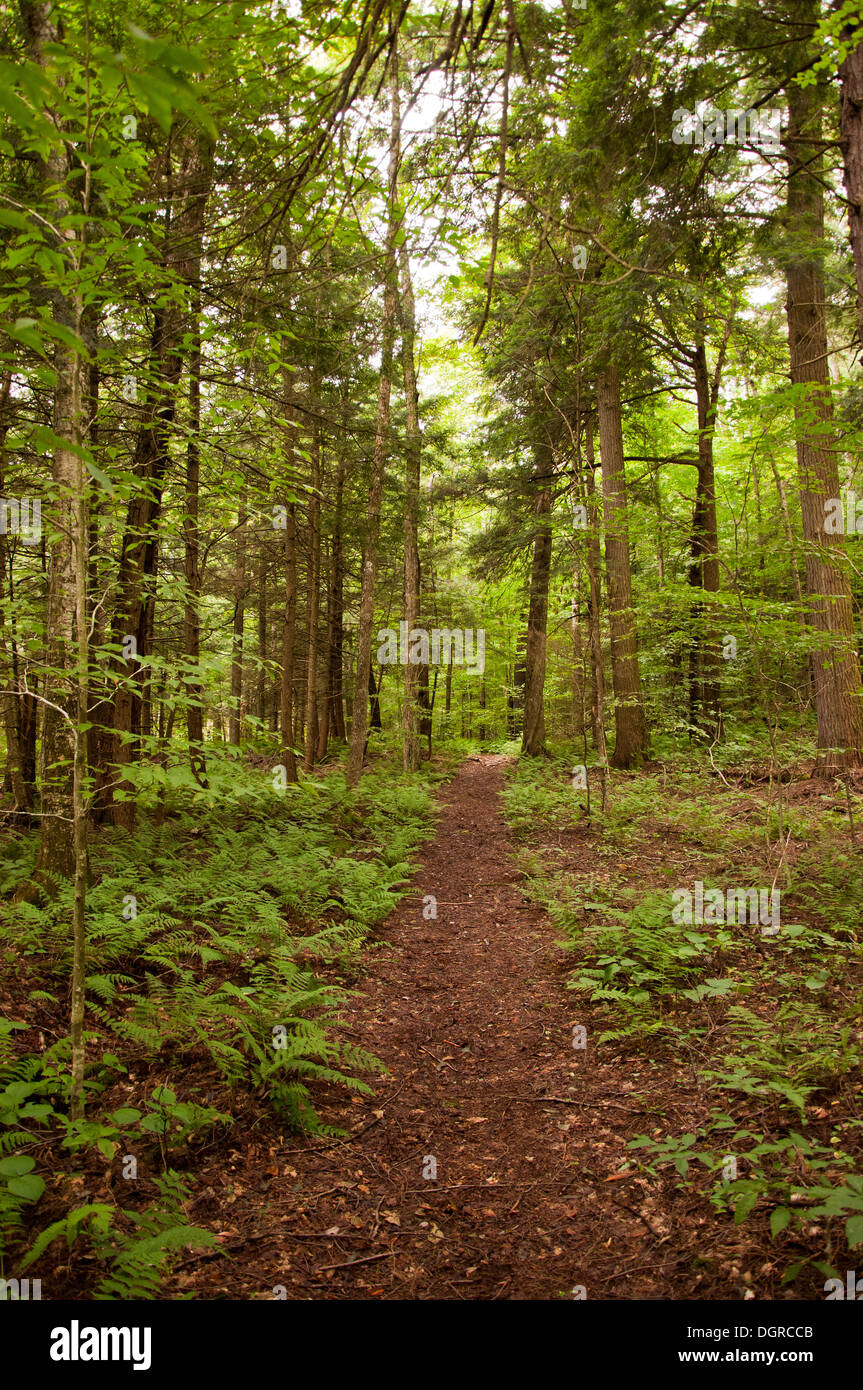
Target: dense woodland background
{"x": 317, "y": 319}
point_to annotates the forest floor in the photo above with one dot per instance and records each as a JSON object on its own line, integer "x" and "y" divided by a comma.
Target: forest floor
{"x": 572, "y": 1077}
{"x": 535, "y": 1195}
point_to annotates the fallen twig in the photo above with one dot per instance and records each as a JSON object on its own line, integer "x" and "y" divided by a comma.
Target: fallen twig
{"x": 366, "y": 1260}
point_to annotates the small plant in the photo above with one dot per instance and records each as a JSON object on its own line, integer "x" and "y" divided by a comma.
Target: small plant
{"x": 136, "y": 1248}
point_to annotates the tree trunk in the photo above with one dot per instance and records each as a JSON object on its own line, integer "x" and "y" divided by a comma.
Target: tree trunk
{"x": 21, "y": 789}
{"x": 373, "y": 513}
{"x": 189, "y": 188}
{"x": 630, "y": 741}
{"x": 413, "y": 464}
{"x": 374, "y": 700}
{"x": 286, "y": 701}
{"x": 838, "y": 703}
{"x": 261, "y": 700}
{"x": 851, "y": 141}
{"x": 65, "y": 625}
{"x": 192, "y": 545}
{"x": 533, "y": 728}
{"x": 338, "y": 586}
{"x": 325, "y": 708}
{"x": 704, "y": 550}
{"x": 313, "y": 603}
{"x": 240, "y": 589}
{"x": 594, "y": 610}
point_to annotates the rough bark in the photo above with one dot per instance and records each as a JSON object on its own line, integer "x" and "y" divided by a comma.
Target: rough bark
{"x": 413, "y": 465}
{"x": 704, "y": 548}
{"x": 14, "y": 781}
{"x": 533, "y": 728}
{"x": 851, "y": 141}
{"x": 382, "y": 433}
{"x": 134, "y": 614}
{"x": 594, "y": 607}
{"x": 838, "y": 702}
{"x": 58, "y": 840}
{"x": 286, "y": 694}
{"x": 338, "y": 606}
{"x": 630, "y": 726}
{"x": 192, "y": 544}
{"x": 239, "y": 624}
{"x": 313, "y": 603}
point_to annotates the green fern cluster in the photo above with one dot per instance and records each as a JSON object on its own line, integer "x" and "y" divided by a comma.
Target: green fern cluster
{"x": 136, "y": 1249}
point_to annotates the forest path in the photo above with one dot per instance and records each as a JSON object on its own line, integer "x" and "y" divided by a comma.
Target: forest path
{"x": 471, "y": 1015}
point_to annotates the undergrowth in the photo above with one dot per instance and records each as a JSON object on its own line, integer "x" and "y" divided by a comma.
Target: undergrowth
{"x": 769, "y": 1023}
{"x": 219, "y": 937}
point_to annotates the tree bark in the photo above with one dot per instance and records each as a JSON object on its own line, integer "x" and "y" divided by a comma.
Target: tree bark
{"x": 239, "y": 625}
{"x": 630, "y": 741}
{"x": 286, "y": 694}
{"x": 413, "y": 465}
{"x": 704, "y": 548}
{"x": 313, "y": 603}
{"x": 134, "y": 614}
{"x": 851, "y": 141}
{"x": 192, "y": 545}
{"x": 382, "y": 432}
{"x": 533, "y": 728}
{"x": 594, "y": 608}
{"x": 65, "y": 625}
{"x": 838, "y": 702}
{"x": 338, "y": 602}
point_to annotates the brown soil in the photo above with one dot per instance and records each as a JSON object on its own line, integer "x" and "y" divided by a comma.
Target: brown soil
{"x": 471, "y": 1016}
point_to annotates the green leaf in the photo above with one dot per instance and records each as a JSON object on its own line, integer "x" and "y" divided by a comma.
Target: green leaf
{"x": 30, "y": 1187}
{"x": 10, "y": 218}
{"x": 744, "y": 1207}
{"x": 779, "y": 1220}
{"x": 16, "y": 1165}
{"x": 101, "y": 478}
{"x": 854, "y": 1230}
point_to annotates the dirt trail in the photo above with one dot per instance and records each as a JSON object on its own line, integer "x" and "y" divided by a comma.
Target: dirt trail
{"x": 471, "y": 1015}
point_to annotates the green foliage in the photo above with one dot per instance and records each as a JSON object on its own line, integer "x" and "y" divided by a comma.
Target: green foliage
{"x": 644, "y": 966}
{"x": 211, "y": 941}
{"x": 135, "y": 1249}
{"x": 788, "y": 1057}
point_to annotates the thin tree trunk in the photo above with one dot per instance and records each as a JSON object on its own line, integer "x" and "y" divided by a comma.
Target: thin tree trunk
{"x": 261, "y": 701}
{"x": 192, "y": 546}
{"x": 325, "y": 679}
{"x": 704, "y": 548}
{"x": 413, "y": 465}
{"x": 851, "y": 141}
{"x": 374, "y": 700}
{"x": 338, "y": 602}
{"x": 22, "y": 791}
{"x": 630, "y": 741}
{"x": 286, "y": 702}
{"x": 238, "y": 639}
{"x": 594, "y": 612}
{"x": 57, "y": 852}
{"x": 533, "y": 728}
{"x": 313, "y": 602}
{"x": 186, "y": 201}
{"x": 373, "y": 513}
